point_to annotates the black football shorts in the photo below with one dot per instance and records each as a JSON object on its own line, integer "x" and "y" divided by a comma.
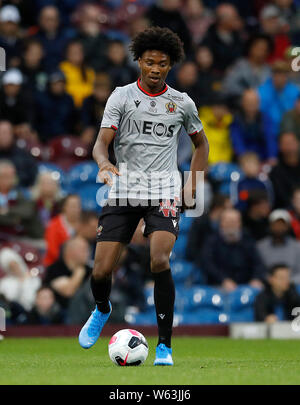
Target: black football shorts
{"x": 118, "y": 223}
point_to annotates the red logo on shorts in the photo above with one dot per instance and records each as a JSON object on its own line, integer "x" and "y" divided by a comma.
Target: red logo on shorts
{"x": 166, "y": 207}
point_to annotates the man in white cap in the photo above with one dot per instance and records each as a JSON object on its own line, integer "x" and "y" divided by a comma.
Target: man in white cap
{"x": 9, "y": 34}
{"x": 280, "y": 246}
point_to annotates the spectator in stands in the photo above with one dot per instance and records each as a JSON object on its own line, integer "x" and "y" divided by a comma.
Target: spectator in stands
{"x": 34, "y": 76}
{"x": 250, "y": 71}
{"x": 18, "y": 285}
{"x": 272, "y": 24}
{"x": 278, "y": 95}
{"x": 295, "y": 212}
{"x": 53, "y": 37}
{"x": 237, "y": 260}
{"x": 251, "y": 180}
{"x": 166, "y": 14}
{"x": 91, "y": 35}
{"x": 198, "y": 19}
{"x": 279, "y": 245}
{"x": 278, "y": 298}
{"x": 117, "y": 67}
{"x": 87, "y": 228}
{"x": 79, "y": 77}
{"x": 291, "y": 120}
{"x": 204, "y": 225}
{"x": 46, "y": 311}
{"x": 285, "y": 176}
{"x": 186, "y": 81}
{"x": 46, "y": 193}
{"x": 25, "y": 164}
{"x": 252, "y": 130}
{"x": 93, "y": 108}
{"x": 216, "y": 120}
{"x": 209, "y": 80}
{"x": 256, "y": 215}
{"x": 15, "y": 105}
{"x": 17, "y": 214}
{"x": 224, "y": 38}
{"x": 55, "y": 102}
{"x": 10, "y": 37}
{"x": 62, "y": 227}
{"x": 66, "y": 275}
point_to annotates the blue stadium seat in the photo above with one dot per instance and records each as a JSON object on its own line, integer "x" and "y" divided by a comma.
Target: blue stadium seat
{"x": 57, "y": 172}
{"x": 242, "y": 297}
{"x": 83, "y": 173}
{"x": 185, "y": 223}
{"x": 179, "y": 249}
{"x": 298, "y": 288}
{"x": 149, "y": 297}
{"x": 222, "y": 172}
{"x": 244, "y": 315}
{"x": 141, "y": 318}
{"x": 182, "y": 271}
{"x": 88, "y": 194}
{"x": 202, "y": 316}
{"x": 193, "y": 298}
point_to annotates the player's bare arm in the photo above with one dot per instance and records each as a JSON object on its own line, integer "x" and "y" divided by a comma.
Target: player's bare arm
{"x": 100, "y": 155}
{"x": 198, "y": 163}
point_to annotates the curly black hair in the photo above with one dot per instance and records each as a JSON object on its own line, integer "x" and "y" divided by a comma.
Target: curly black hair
{"x": 160, "y": 39}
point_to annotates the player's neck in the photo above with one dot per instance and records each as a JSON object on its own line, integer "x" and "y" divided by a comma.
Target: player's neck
{"x": 151, "y": 90}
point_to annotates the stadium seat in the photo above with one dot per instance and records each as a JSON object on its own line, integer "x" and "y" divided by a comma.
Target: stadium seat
{"x": 185, "y": 223}
{"x": 223, "y": 174}
{"x": 57, "y": 172}
{"x": 193, "y": 298}
{"x": 66, "y": 151}
{"x": 182, "y": 271}
{"x": 244, "y": 315}
{"x": 241, "y": 298}
{"x": 89, "y": 197}
{"x": 141, "y": 318}
{"x": 202, "y": 316}
{"x": 82, "y": 173}
{"x": 179, "y": 249}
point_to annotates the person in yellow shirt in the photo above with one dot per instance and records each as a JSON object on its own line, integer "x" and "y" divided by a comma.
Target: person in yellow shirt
{"x": 216, "y": 119}
{"x": 79, "y": 78}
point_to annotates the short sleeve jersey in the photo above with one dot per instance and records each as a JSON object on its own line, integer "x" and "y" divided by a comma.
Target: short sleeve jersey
{"x": 147, "y": 130}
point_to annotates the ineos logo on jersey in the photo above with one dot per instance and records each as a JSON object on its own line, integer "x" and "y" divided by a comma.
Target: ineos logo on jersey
{"x": 151, "y": 128}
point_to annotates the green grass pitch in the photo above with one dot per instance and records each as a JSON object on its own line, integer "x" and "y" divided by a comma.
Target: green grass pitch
{"x": 197, "y": 361}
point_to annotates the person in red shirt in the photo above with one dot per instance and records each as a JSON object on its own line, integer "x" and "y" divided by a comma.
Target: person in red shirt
{"x": 62, "y": 227}
{"x": 295, "y": 213}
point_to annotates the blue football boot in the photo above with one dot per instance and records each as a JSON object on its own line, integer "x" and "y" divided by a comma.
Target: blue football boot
{"x": 163, "y": 356}
{"x": 90, "y": 332}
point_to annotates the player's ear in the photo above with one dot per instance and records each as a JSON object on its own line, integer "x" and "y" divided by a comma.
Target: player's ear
{"x": 139, "y": 62}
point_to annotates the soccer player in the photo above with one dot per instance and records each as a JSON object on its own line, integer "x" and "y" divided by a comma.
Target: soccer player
{"x": 144, "y": 119}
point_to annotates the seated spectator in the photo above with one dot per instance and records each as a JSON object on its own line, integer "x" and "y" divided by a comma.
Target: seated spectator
{"x": 198, "y": 18}
{"x": 278, "y": 95}
{"x": 224, "y": 38}
{"x": 117, "y": 67}
{"x": 285, "y": 176}
{"x": 79, "y": 78}
{"x": 216, "y": 120}
{"x": 24, "y": 163}
{"x": 250, "y": 71}
{"x": 295, "y": 212}
{"x": 46, "y": 311}
{"x": 62, "y": 227}
{"x": 46, "y": 193}
{"x": 279, "y": 245}
{"x": 18, "y": 285}
{"x": 278, "y": 298}
{"x": 54, "y": 102}
{"x": 10, "y": 38}
{"x": 209, "y": 80}
{"x": 92, "y": 35}
{"x": 15, "y": 105}
{"x": 252, "y": 131}
{"x": 186, "y": 81}
{"x": 256, "y": 215}
{"x": 291, "y": 120}
{"x": 93, "y": 108}
{"x": 237, "y": 260}
{"x": 34, "y": 76}
{"x": 17, "y": 214}
{"x": 52, "y": 36}
{"x": 251, "y": 180}
{"x": 204, "y": 225}
{"x": 87, "y": 228}
{"x": 67, "y": 274}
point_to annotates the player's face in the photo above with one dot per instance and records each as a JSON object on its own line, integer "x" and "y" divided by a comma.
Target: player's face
{"x": 155, "y": 66}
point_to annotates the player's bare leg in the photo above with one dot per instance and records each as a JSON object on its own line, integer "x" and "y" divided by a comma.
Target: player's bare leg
{"x": 161, "y": 245}
{"x": 106, "y": 258}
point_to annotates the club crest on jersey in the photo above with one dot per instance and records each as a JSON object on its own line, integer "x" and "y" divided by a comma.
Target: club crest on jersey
{"x": 167, "y": 208}
{"x": 171, "y": 107}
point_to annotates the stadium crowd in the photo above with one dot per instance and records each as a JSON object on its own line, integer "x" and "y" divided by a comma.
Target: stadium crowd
{"x": 63, "y": 59}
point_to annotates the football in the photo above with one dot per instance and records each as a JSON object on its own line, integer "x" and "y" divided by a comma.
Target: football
{"x": 128, "y": 347}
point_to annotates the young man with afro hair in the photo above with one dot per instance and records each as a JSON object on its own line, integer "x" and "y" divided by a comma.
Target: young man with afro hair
{"x": 144, "y": 119}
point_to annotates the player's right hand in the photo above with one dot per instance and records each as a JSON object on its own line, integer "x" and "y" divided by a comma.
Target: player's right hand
{"x": 105, "y": 173}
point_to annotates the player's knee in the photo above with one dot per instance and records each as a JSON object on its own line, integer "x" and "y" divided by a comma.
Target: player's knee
{"x": 101, "y": 270}
{"x": 159, "y": 262}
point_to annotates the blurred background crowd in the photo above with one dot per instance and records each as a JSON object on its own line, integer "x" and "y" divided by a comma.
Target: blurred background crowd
{"x": 238, "y": 261}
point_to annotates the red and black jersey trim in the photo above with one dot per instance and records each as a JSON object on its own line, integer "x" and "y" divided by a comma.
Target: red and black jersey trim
{"x": 193, "y": 133}
{"x": 151, "y": 94}
{"x": 113, "y": 127}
